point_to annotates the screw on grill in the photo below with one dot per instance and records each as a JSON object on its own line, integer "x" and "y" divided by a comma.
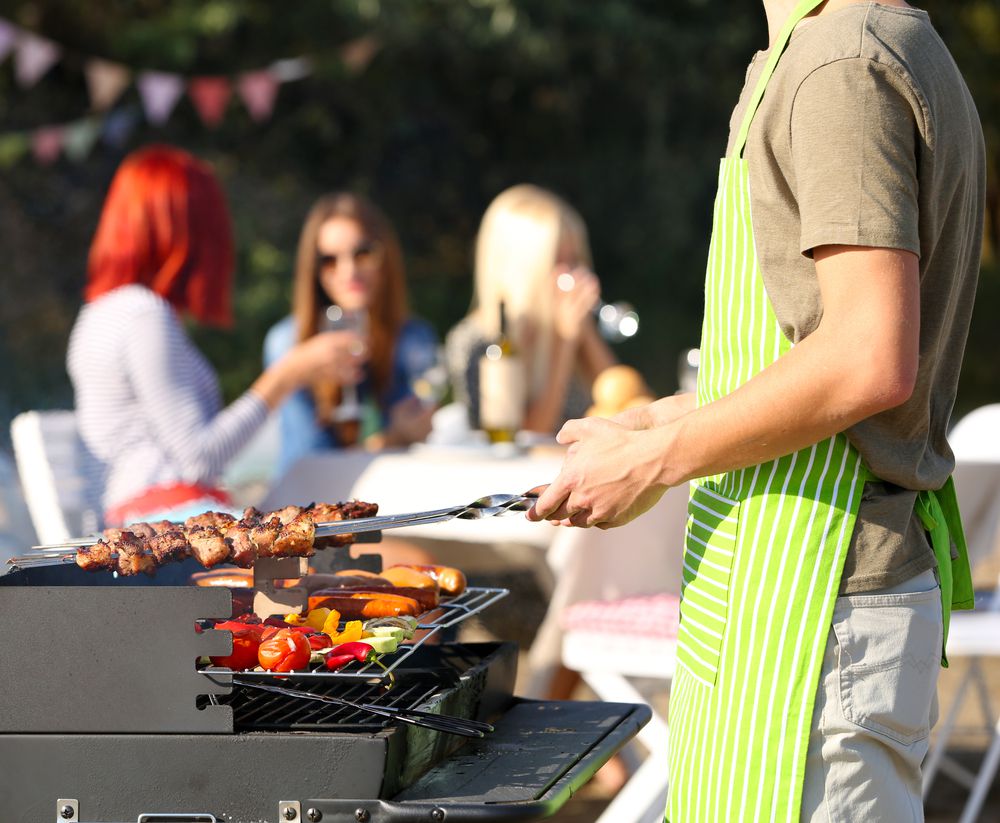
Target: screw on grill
{"x": 66, "y": 812}
{"x": 361, "y": 815}
{"x": 290, "y": 813}
{"x": 314, "y": 815}
{"x": 437, "y": 815}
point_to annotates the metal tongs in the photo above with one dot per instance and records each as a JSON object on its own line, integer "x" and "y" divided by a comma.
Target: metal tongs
{"x": 437, "y": 722}
{"x": 492, "y": 505}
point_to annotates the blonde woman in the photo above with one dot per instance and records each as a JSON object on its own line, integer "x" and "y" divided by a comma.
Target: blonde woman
{"x": 528, "y": 238}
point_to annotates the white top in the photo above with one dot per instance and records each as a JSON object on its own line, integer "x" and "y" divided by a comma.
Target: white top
{"x": 148, "y": 403}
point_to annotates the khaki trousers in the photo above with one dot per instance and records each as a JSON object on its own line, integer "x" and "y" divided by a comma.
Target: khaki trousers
{"x": 875, "y": 706}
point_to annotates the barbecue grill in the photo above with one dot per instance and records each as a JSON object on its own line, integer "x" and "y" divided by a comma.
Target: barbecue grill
{"x": 108, "y": 718}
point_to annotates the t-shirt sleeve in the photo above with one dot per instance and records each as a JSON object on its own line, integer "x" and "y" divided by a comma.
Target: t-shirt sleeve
{"x": 854, "y": 132}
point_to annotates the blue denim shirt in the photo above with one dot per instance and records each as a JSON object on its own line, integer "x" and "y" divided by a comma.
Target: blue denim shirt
{"x": 416, "y": 351}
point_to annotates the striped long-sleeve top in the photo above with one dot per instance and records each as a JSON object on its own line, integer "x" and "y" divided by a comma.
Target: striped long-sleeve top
{"x": 148, "y": 403}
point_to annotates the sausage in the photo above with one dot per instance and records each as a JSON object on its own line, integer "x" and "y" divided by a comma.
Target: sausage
{"x": 352, "y": 582}
{"x": 361, "y": 605}
{"x": 451, "y": 580}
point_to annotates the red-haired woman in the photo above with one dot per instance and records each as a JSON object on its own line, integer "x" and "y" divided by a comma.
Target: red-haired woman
{"x": 148, "y": 403}
{"x": 349, "y": 258}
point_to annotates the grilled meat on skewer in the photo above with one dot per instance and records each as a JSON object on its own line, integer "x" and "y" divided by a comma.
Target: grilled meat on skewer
{"x": 217, "y": 520}
{"x": 169, "y": 545}
{"x": 208, "y": 546}
{"x": 132, "y": 556}
{"x": 288, "y": 532}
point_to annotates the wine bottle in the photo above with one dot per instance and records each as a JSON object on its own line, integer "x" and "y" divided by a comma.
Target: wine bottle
{"x": 502, "y": 387}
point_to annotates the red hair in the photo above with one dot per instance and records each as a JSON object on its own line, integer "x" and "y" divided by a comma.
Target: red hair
{"x": 165, "y": 226}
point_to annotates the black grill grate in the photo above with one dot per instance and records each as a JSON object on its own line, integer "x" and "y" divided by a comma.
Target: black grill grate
{"x": 255, "y": 710}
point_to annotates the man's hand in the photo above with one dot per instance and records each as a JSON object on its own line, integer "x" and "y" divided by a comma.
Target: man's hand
{"x": 609, "y": 477}
{"x": 658, "y": 413}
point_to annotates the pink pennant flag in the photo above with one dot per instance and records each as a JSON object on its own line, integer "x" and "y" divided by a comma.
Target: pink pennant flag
{"x": 105, "y": 81}
{"x": 33, "y": 57}
{"x": 258, "y": 90}
{"x": 210, "y": 96}
{"x": 160, "y": 92}
{"x": 8, "y": 37}
{"x": 46, "y": 144}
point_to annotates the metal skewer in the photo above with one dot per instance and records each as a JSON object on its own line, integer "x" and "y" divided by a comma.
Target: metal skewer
{"x": 492, "y": 505}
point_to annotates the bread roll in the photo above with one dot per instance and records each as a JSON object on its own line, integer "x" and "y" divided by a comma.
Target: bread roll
{"x": 616, "y": 385}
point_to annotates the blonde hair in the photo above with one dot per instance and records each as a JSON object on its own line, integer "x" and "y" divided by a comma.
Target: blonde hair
{"x": 517, "y": 249}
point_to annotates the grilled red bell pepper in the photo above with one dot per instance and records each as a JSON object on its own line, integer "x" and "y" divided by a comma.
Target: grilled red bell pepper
{"x": 246, "y": 643}
{"x": 341, "y": 655}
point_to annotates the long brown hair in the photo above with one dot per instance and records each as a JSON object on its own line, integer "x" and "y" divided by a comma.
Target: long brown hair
{"x": 388, "y": 309}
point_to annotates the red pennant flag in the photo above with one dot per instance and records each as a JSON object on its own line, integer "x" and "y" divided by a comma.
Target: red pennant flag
{"x": 46, "y": 144}
{"x": 210, "y": 96}
{"x": 258, "y": 90}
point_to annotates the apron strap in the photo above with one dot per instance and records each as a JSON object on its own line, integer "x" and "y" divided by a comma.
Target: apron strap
{"x": 938, "y": 511}
{"x": 800, "y": 11}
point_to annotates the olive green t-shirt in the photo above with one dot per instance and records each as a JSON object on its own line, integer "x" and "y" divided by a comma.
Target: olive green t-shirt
{"x": 867, "y": 136}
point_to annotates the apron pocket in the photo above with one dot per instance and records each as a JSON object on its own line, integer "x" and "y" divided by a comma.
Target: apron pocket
{"x": 890, "y": 652}
{"x": 709, "y": 550}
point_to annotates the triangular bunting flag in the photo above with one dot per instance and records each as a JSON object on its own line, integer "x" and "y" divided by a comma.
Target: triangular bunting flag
{"x": 33, "y": 57}
{"x": 12, "y": 148}
{"x": 105, "y": 81}
{"x": 258, "y": 90}
{"x": 8, "y": 37}
{"x": 46, "y": 144}
{"x": 79, "y": 138}
{"x": 118, "y": 126}
{"x": 210, "y": 96}
{"x": 160, "y": 92}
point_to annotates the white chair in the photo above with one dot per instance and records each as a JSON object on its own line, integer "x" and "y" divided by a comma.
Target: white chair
{"x": 609, "y": 642}
{"x": 59, "y": 477}
{"x": 973, "y": 635}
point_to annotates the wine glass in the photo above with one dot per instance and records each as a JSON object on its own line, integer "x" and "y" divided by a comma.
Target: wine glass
{"x": 337, "y": 319}
{"x": 615, "y": 321}
{"x": 429, "y": 376}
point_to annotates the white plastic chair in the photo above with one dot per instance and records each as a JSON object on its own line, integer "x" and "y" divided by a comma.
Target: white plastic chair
{"x": 59, "y": 476}
{"x": 608, "y": 643}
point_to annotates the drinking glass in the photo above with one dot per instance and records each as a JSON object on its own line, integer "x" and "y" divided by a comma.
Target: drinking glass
{"x": 615, "y": 321}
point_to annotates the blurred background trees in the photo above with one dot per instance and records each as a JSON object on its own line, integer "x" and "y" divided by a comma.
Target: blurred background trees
{"x": 431, "y": 107}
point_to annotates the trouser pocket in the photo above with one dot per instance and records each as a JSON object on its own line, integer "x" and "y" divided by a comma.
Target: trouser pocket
{"x": 709, "y": 550}
{"x": 889, "y": 655}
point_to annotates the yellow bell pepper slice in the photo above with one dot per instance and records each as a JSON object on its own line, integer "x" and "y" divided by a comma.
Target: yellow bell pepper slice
{"x": 316, "y": 619}
{"x": 352, "y": 631}
{"x": 294, "y": 619}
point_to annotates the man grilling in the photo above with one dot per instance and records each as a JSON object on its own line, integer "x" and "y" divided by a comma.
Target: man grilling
{"x": 824, "y": 549}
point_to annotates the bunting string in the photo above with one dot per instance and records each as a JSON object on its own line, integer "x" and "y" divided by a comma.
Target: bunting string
{"x": 159, "y": 93}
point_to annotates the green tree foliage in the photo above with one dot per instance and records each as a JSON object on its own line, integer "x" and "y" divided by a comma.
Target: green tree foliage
{"x": 620, "y": 105}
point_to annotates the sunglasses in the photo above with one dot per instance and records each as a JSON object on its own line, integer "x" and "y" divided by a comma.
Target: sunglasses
{"x": 362, "y": 255}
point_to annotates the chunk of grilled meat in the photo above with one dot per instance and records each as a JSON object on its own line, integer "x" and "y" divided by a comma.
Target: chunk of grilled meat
{"x": 296, "y": 538}
{"x": 208, "y": 546}
{"x": 169, "y": 545}
{"x": 332, "y": 512}
{"x": 217, "y": 520}
{"x": 287, "y": 514}
{"x": 264, "y": 533}
{"x": 132, "y": 556}
{"x": 97, "y": 557}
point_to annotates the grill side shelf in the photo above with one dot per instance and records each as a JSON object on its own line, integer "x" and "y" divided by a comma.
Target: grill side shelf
{"x": 105, "y": 659}
{"x": 450, "y": 613}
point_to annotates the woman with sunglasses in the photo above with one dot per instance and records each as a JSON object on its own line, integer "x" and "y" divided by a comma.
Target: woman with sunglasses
{"x": 349, "y": 275}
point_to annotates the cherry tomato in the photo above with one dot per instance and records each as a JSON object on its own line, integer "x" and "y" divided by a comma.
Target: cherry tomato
{"x": 246, "y": 641}
{"x": 284, "y": 651}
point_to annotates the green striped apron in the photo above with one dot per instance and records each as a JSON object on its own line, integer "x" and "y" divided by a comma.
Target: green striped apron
{"x": 765, "y": 548}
